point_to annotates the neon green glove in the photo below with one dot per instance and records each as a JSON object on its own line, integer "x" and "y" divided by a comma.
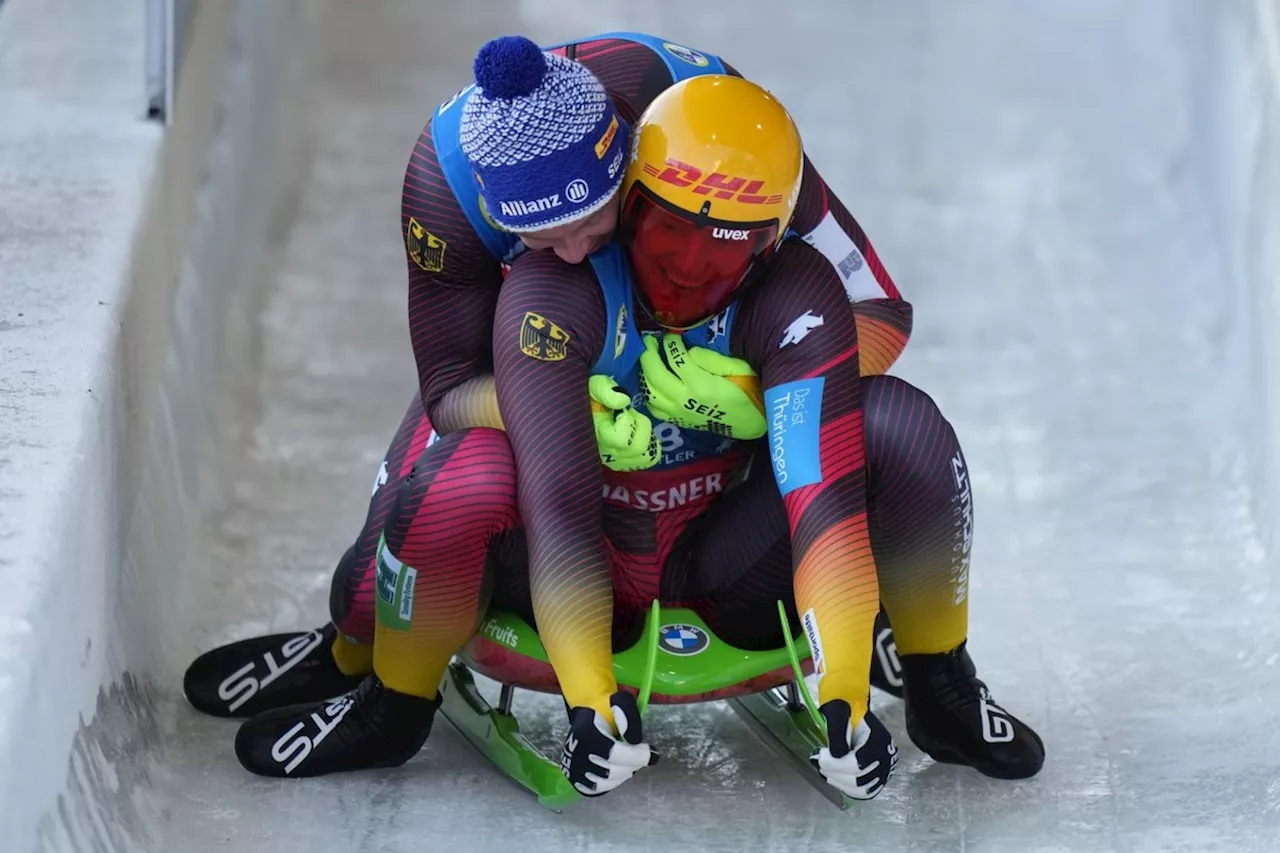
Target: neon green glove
{"x": 701, "y": 389}
{"x": 624, "y": 435}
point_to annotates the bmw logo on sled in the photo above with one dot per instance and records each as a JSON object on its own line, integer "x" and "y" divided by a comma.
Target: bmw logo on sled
{"x": 683, "y": 639}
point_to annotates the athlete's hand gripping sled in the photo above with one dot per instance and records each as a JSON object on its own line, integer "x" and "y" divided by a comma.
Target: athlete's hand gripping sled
{"x": 676, "y": 661}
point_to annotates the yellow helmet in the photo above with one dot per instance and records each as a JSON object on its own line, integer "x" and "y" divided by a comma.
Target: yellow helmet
{"x": 712, "y": 183}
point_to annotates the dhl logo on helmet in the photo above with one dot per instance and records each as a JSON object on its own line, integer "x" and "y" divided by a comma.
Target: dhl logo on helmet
{"x": 716, "y": 184}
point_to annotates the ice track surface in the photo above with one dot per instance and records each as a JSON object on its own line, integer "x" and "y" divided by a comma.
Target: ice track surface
{"x": 1038, "y": 179}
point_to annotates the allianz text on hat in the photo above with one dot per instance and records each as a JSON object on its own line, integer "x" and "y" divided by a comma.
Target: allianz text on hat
{"x": 546, "y": 143}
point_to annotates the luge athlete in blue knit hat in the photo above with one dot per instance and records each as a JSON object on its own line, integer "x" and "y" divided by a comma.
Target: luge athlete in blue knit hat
{"x": 545, "y": 143}
{"x": 530, "y": 156}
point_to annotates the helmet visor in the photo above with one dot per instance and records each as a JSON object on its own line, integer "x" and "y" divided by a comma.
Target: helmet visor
{"x": 688, "y": 266}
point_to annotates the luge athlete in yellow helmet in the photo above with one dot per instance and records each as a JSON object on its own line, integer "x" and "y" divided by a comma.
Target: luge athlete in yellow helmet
{"x": 815, "y": 515}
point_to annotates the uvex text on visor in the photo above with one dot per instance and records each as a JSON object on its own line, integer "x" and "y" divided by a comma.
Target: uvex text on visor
{"x": 714, "y": 176}
{"x": 688, "y": 267}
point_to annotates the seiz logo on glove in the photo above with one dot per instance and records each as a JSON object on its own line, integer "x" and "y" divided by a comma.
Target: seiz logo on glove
{"x": 595, "y": 760}
{"x": 701, "y": 389}
{"x": 624, "y": 435}
{"x": 859, "y": 758}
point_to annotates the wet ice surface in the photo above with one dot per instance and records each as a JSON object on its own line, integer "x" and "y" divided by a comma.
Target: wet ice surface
{"x": 1032, "y": 178}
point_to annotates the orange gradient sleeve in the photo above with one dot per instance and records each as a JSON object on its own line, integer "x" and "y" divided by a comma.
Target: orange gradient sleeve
{"x": 798, "y": 331}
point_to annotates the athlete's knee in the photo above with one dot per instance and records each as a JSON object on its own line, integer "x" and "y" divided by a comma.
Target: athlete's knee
{"x": 462, "y": 485}
{"x": 470, "y": 461}
{"x": 889, "y": 400}
{"x": 903, "y": 425}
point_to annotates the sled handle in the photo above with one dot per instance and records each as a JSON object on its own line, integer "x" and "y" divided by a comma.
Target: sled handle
{"x": 651, "y": 657}
{"x": 809, "y": 704}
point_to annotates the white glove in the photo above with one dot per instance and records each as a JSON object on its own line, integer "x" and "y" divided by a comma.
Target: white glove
{"x": 859, "y": 759}
{"x": 594, "y": 759}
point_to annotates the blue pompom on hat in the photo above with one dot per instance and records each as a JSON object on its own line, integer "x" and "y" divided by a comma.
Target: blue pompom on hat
{"x": 545, "y": 141}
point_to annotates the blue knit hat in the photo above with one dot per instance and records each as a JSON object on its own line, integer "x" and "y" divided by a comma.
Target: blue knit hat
{"x": 542, "y": 135}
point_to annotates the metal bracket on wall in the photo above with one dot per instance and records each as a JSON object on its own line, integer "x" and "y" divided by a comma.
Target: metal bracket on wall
{"x": 167, "y": 24}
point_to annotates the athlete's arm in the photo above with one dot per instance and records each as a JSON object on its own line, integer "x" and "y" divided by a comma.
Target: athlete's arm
{"x": 548, "y": 332}
{"x": 453, "y": 288}
{"x": 884, "y": 318}
{"x": 797, "y": 330}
